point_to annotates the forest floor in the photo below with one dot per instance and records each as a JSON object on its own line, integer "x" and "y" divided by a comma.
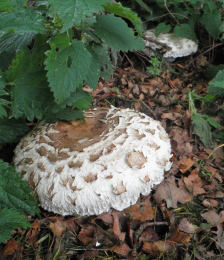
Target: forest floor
{"x": 183, "y": 218}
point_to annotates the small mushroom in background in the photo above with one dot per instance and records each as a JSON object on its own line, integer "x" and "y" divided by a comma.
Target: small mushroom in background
{"x": 176, "y": 47}
{"x": 92, "y": 166}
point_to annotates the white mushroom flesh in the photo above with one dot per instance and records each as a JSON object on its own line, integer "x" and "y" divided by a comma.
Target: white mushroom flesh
{"x": 91, "y": 167}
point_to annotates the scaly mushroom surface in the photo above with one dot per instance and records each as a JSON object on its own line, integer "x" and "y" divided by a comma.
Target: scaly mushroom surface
{"x": 92, "y": 166}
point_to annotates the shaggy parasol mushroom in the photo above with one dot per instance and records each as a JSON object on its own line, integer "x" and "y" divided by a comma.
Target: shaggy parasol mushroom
{"x": 90, "y": 167}
{"x": 176, "y": 47}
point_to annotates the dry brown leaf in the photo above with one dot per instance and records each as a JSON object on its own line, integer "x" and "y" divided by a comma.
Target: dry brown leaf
{"x": 157, "y": 247}
{"x": 86, "y": 235}
{"x": 116, "y": 227}
{"x": 11, "y": 247}
{"x": 57, "y": 226}
{"x": 186, "y": 226}
{"x": 211, "y": 217}
{"x": 32, "y": 233}
{"x": 149, "y": 234}
{"x": 178, "y": 236}
{"x": 106, "y": 217}
{"x": 122, "y": 249}
{"x": 194, "y": 183}
{"x": 169, "y": 192}
{"x": 141, "y": 212}
{"x": 210, "y": 203}
{"x": 185, "y": 165}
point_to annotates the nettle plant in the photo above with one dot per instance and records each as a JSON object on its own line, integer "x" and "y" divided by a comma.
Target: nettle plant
{"x": 48, "y": 51}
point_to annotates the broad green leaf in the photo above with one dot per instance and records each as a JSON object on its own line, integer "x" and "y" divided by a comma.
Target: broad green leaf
{"x": 67, "y": 69}
{"x": 74, "y": 12}
{"x": 15, "y": 193}
{"x": 11, "y": 130}
{"x": 11, "y": 219}
{"x": 185, "y": 31}
{"x": 22, "y": 21}
{"x": 216, "y": 86}
{"x": 118, "y": 9}
{"x": 202, "y": 129}
{"x": 162, "y": 28}
{"x": 116, "y": 33}
{"x": 15, "y": 42}
{"x": 212, "y": 22}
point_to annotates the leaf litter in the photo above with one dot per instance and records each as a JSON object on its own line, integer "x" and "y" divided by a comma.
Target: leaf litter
{"x": 184, "y": 210}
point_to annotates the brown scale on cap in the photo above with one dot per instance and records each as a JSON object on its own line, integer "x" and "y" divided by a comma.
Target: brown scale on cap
{"x": 136, "y": 159}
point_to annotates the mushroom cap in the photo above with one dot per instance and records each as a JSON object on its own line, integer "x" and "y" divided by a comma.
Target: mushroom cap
{"x": 176, "y": 46}
{"x": 92, "y": 166}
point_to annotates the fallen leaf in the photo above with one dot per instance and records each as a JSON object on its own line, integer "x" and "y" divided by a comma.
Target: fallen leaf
{"x": 157, "y": 247}
{"x": 169, "y": 192}
{"x": 57, "y": 226}
{"x": 185, "y": 165}
{"x": 186, "y": 226}
{"x": 11, "y": 247}
{"x": 86, "y": 234}
{"x": 149, "y": 234}
{"x": 141, "y": 212}
{"x": 116, "y": 226}
{"x": 122, "y": 249}
{"x": 194, "y": 183}
{"x": 106, "y": 218}
{"x": 211, "y": 217}
{"x": 210, "y": 203}
{"x": 178, "y": 236}
{"x": 32, "y": 233}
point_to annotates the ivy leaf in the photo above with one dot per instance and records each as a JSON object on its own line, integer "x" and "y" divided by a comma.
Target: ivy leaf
{"x": 11, "y": 130}
{"x": 67, "y": 69}
{"x": 212, "y": 22}
{"x": 15, "y": 193}
{"x": 22, "y": 21}
{"x": 15, "y": 42}
{"x": 74, "y": 12}
{"x": 11, "y": 219}
{"x": 216, "y": 86}
{"x": 185, "y": 31}
{"x": 118, "y": 9}
{"x": 202, "y": 129}
{"x": 116, "y": 33}
{"x": 162, "y": 28}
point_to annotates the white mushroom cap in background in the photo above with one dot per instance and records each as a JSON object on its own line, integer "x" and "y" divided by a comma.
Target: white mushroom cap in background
{"x": 94, "y": 166}
{"x": 176, "y": 47}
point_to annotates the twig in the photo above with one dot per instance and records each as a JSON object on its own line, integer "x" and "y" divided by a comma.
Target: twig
{"x": 168, "y": 10}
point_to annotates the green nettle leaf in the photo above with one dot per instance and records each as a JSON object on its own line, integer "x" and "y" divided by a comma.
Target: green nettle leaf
{"x": 116, "y": 33}
{"x": 15, "y": 193}
{"x": 162, "y": 28}
{"x": 202, "y": 129}
{"x": 118, "y": 9}
{"x": 15, "y": 42}
{"x": 11, "y": 219}
{"x": 11, "y": 130}
{"x": 216, "y": 86}
{"x": 74, "y": 12}
{"x": 22, "y": 21}
{"x": 212, "y": 22}
{"x": 67, "y": 69}
{"x": 185, "y": 31}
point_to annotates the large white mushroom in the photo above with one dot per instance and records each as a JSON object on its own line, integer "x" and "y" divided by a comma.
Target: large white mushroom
{"x": 176, "y": 47}
{"x": 92, "y": 166}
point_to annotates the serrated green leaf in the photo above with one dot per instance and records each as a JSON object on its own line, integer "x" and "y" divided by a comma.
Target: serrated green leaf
{"x": 15, "y": 42}
{"x": 216, "y": 86}
{"x": 212, "y": 22}
{"x": 74, "y": 12}
{"x": 185, "y": 31}
{"x": 116, "y": 33}
{"x": 15, "y": 193}
{"x": 7, "y": 5}
{"x": 11, "y": 219}
{"x": 118, "y": 9}
{"x": 202, "y": 129}
{"x": 22, "y": 21}
{"x": 162, "y": 28}
{"x": 11, "y": 130}
{"x": 211, "y": 121}
{"x": 67, "y": 69}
